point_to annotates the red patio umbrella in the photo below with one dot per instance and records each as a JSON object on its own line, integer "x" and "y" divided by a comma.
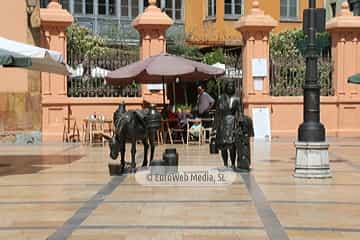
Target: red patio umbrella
{"x": 163, "y": 68}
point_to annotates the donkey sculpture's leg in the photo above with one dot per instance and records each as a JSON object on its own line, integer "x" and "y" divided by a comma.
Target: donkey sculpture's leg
{"x": 146, "y": 148}
{"x": 152, "y": 135}
{"x": 224, "y": 155}
{"x": 133, "y": 153}
{"x": 232, "y": 155}
{"x": 122, "y": 152}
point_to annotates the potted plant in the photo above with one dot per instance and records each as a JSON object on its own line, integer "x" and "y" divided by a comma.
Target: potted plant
{"x": 132, "y": 89}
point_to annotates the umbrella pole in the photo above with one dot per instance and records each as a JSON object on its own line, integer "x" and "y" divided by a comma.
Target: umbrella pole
{"x": 163, "y": 81}
{"x": 174, "y": 94}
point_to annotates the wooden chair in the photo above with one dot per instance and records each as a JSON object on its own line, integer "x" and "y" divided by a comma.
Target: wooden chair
{"x": 165, "y": 131}
{"x": 108, "y": 129}
{"x": 86, "y": 131}
{"x": 96, "y": 129}
{"x": 177, "y": 131}
{"x": 207, "y": 130}
{"x": 159, "y": 136}
{"x": 71, "y": 131}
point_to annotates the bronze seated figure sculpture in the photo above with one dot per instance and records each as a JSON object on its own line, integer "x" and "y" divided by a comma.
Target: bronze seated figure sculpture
{"x": 131, "y": 126}
{"x": 233, "y": 129}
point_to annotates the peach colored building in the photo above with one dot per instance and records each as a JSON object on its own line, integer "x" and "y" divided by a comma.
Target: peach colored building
{"x": 20, "y": 108}
{"x": 211, "y": 22}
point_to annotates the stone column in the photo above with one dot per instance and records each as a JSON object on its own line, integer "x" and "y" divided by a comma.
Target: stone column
{"x": 255, "y": 29}
{"x": 345, "y": 51}
{"x": 54, "y": 21}
{"x": 152, "y": 25}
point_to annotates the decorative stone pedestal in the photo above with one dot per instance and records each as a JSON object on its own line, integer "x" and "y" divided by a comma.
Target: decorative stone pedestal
{"x": 312, "y": 160}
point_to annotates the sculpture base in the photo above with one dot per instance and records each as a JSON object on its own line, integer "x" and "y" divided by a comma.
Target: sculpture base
{"x": 312, "y": 160}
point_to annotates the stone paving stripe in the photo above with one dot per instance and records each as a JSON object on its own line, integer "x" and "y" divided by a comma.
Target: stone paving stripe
{"x": 135, "y": 184}
{"x": 291, "y": 170}
{"x": 181, "y": 201}
{"x": 271, "y": 223}
{"x": 309, "y": 184}
{"x": 324, "y": 229}
{"x": 315, "y": 202}
{"x": 142, "y": 227}
{"x": 84, "y": 212}
{"x": 27, "y": 228}
{"x": 42, "y": 202}
{"x": 170, "y": 227}
{"x": 165, "y": 227}
{"x": 178, "y": 201}
{"x": 53, "y": 185}
{"x": 127, "y": 202}
{"x": 347, "y": 145}
{"x": 347, "y": 161}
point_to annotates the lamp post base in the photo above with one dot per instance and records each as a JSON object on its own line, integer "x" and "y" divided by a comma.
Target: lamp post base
{"x": 312, "y": 160}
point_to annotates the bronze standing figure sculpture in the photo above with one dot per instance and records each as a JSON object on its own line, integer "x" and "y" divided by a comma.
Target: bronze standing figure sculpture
{"x": 131, "y": 126}
{"x": 233, "y": 130}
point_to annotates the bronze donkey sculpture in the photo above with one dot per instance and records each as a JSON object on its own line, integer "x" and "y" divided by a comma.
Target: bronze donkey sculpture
{"x": 132, "y": 126}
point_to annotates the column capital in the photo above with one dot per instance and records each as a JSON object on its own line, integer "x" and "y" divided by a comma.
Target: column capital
{"x": 54, "y": 15}
{"x": 256, "y": 20}
{"x": 345, "y": 20}
{"x": 152, "y": 18}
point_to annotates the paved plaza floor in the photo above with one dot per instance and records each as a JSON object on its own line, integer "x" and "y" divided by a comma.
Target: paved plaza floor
{"x": 65, "y": 192}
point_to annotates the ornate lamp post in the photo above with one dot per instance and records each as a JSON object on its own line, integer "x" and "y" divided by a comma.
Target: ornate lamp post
{"x": 311, "y": 130}
{"x": 311, "y": 148}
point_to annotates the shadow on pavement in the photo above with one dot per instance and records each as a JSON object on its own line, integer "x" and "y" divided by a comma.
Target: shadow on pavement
{"x": 25, "y": 164}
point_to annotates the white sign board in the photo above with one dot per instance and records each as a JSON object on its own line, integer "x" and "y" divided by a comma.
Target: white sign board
{"x": 258, "y": 84}
{"x": 259, "y": 67}
{"x": 155, "y": 87}
{"x": 261, "y": 121}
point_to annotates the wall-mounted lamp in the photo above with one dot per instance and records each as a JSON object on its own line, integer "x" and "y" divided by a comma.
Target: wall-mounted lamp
{"x": 30, "y": 6}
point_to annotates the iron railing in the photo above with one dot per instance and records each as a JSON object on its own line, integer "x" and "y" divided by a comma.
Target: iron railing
{"x": 88, "y": 78}
{"x": 287, "y": 75}
{"x": 233, "y": 66}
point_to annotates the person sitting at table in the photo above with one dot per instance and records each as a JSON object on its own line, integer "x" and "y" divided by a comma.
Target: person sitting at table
{"x": 171, "y": 117}
{"x": 196, "y": 128}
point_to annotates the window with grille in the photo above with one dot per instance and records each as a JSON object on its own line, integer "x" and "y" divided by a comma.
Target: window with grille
{"x": 233, "y": 8}
{"x": 112, "y": 7}
{"x": 289, "y": 9}
{"x": 173, "y": 9}
{"x": 129, "y": 8}
{"x": 134, "y": 8}
{"x": 78, "y": 6}
{"x": 211, "y": 8}
{"x": 89, "y": 7}
{"x": 102, "y": 7}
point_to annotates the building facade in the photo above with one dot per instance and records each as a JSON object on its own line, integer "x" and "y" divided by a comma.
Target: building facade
{"x": 20, "y": 91}
{"x": 112, "y": 18}
{"x": 211, "y": 22}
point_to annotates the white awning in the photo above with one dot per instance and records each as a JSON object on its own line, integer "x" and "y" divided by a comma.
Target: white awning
{"x": 42, "y": 59}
